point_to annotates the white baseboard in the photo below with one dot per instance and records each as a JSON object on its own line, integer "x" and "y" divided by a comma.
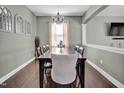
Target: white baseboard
{"x": 106, "y": 75}
{"x": 4, "y": 78}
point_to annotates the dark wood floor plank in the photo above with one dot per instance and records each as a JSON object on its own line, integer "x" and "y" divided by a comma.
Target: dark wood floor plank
{"x": 25, "y": 78}
{"x": 93, "y": 79}
{"x": 28, "y": 77}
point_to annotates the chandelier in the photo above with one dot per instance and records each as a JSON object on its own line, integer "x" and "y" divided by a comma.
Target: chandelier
{"x": 58, "y": 18}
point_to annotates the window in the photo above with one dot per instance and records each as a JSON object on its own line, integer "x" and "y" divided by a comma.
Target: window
{"x": 59, "y": 33}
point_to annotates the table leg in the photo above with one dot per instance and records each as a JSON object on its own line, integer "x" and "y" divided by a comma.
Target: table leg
{"x": 41, "y": 72}
{"x": 82, "y": 73}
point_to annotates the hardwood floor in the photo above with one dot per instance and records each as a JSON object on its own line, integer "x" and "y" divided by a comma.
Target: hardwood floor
{"x": 25, "y": 78}
{"x": 29, "y": 78}
{"x": 93, "y": 79}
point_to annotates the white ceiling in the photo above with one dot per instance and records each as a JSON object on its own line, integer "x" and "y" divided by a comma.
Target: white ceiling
{"x": 114, "y": 10}
{"x": 65, "y": 10}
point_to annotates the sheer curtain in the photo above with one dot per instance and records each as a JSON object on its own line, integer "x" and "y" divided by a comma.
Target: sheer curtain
{"x": 65, "y": 37}
{"x": 52, "y": 31}
{"x": 52, "y": 37}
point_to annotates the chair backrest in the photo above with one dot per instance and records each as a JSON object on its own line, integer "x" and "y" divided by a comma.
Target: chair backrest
{"x": 76, "y": 47}
{"x": 81, "y": 51}
{"x": 38, "y": 51}
{"x": 63, "y": 68}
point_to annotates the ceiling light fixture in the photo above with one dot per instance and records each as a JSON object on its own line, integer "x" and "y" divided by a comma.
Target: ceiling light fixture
{"x": 58, "y": 18}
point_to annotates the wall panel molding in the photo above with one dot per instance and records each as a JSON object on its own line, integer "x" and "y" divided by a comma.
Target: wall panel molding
{"x": 106, "y": 48}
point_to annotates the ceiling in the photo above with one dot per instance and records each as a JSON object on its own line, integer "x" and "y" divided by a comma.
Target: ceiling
{"x": 65, "y": 10}
{"x": 114, "y": 10}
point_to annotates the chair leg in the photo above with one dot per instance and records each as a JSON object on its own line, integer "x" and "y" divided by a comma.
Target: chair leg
{"x": 45, "y": 78}
{"x": 73, "y": 85}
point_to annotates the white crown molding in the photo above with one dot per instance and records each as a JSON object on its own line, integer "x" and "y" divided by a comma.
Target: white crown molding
{"x": 106, "y": 75}
{"x": 4, "y": 78}
{"x": 106, "y": 48}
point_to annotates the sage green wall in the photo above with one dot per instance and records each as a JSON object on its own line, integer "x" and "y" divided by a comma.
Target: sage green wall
{"x": 43, "y": 29}
{"x": 16, "y": 49}
{"x": 96, "y": 34}
{"x": 74, "y": 29}
{"x": 97, "y": 29}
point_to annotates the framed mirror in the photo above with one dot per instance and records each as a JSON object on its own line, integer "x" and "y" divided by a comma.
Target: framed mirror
{"x": 5, "y": 19}
{"x": 27, "y": 28}
{"x": 19, "y": 24}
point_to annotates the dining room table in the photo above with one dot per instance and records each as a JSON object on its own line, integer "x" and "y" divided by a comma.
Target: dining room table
{"x": 46, "y": 57}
